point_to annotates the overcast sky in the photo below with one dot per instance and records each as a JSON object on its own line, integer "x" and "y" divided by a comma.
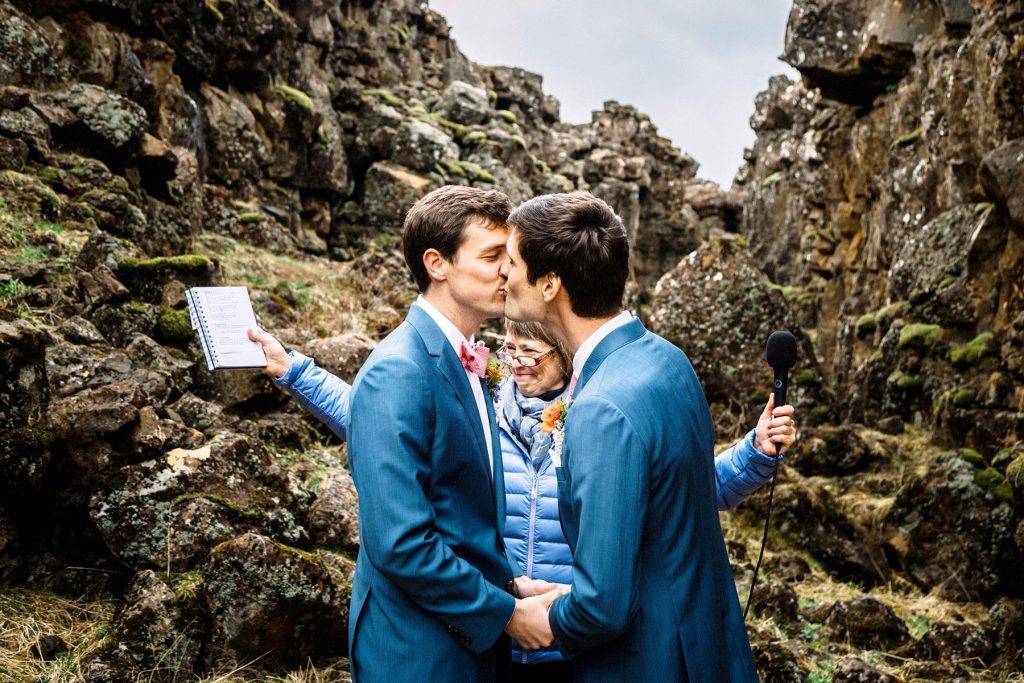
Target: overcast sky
{"x": 693, "y": 65}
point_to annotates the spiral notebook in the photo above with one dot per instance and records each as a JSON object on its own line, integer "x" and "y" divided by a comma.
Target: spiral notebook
{"x": 221, "y": 317}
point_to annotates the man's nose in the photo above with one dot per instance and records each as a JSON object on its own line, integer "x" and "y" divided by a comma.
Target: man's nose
{"x": 503, "y": 269}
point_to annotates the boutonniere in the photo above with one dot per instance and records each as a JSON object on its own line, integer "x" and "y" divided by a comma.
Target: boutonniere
{"x": 552, "y": 420}
{"x": 495, "y": 375}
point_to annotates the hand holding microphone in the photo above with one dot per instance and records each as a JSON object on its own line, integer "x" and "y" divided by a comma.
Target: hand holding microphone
{"x": 776, "y": 428}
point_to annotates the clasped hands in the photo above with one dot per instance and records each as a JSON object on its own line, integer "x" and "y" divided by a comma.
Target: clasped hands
{"x": 529, "y": 624}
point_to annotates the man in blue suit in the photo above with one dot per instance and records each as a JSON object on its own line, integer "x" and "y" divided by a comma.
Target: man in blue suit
{"x": 652, "y": 594}
{"x": 430, "y": 599}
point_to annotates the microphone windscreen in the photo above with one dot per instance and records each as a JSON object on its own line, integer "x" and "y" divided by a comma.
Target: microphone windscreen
{"x": 781, "y": 350}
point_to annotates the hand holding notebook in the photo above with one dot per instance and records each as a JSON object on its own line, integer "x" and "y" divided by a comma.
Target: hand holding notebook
{"x": 221, "y": 316}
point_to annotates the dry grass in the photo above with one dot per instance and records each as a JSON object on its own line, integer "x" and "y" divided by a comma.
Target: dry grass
{"x": 27, "y": 615}
{"x": 319, "y": 287}
{"x": 336, "y": 672}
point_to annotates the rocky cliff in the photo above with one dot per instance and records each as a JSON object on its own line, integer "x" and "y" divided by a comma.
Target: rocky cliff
{"x": 148, "y": 147}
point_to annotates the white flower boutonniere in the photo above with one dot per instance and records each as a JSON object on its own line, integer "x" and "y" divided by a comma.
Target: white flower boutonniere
{"x": 553, "y": 421}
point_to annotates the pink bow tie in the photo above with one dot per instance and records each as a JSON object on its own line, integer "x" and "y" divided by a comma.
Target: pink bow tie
{"x": 474, "y": 358}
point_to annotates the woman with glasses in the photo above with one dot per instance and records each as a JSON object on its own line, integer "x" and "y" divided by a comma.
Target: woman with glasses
{"x": 539, "y": 369}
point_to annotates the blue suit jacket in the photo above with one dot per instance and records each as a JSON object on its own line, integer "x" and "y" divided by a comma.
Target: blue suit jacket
{"x": 652, "y": 595}
{"x": 428, "y": 598}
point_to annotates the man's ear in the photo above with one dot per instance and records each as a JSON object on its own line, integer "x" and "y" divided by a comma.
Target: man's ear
{"x": 550, "y": 286}
{"x": 436, "y": 265}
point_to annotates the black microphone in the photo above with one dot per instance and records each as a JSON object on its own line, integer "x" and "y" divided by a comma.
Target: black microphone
{"x": 781, "y": 354}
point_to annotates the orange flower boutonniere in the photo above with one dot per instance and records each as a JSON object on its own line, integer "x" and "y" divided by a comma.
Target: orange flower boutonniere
{"x": 495, "y": 375}
{"x": 553, "y": 416}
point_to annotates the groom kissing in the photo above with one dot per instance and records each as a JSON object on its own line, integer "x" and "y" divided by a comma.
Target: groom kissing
{"x": 430, "y": 598}
{"x": 652, "y": 594}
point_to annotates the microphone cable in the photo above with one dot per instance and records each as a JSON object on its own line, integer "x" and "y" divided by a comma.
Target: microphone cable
{"x": 764, "y": 537}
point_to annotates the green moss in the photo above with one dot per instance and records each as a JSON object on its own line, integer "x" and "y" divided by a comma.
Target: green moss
{"x": 48, "y": 174}
{"x": 478, "y": 172}
{"x": 474, "y": 137}
{"x": 458, "y": 130}
{"x": 920, "y": 336}
{"x": 964, "y": 397}
{"x": 173, "y": 326}
{"x": 251, "y": 512}
{"x": 788, "y": 292}
{"x": 507, "y": 116}
{"x": 866, "y": 324}
{"x": 295, "y": 96}
{"x": 771, "y": 179}
{"x": 885, "y": 315}
{"x": 519, "y": 140}
{"x": 994, "y": 484}
{"x": 973, "y": 457}
{"x": 492, "y": 96}
{"x": 186, "y": 586}
{"x": 818, "y": 412}
{"x": 982, "y": 207}
{"x": 323, "y": 135}
{"x": 385, "y": 96}
{"x": 185, "y": 263}
{"x": 973, "y": 351}
{"x": 452, "y": 168}
{"x": 212, "y": 6}
{"x": 1015, "y": 473}
{"x": 907, "y": 138}
{"x": 906, "y": 382}
{"x": 250, "y": 217}
{"x": 806, "y": 377}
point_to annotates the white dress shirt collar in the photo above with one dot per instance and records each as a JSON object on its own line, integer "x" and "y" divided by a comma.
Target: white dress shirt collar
{"x": 595, "y": 338}
{"x": 447, "y": 326}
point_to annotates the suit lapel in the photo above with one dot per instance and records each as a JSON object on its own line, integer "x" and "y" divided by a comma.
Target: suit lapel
{"x": 619, "y": 337}
{"x": 499, "y": 471}
{"x": 451, "y": 369}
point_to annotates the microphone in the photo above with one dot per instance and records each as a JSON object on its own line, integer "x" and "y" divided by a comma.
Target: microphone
{"x": 781, "y": 354}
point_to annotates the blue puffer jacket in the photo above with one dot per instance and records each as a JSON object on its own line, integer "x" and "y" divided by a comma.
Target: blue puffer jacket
{"x": 533, "y": 534}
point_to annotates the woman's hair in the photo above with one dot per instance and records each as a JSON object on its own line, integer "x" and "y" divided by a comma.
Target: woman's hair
{"x": 540, "y": 333}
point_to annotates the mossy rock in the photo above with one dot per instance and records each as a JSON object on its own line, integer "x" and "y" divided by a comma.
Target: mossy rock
{"x": 973, "y": 351}
{"x": 964, "y": 397}
{"x": 296, "y": 97}
{"x": 905, "y": 382}
{"x": 147, "y": 277}
{"x": 907, "y": 138}
{"x": 173, "y": 326}
{"x": 1015, "y": 475}
{"x": 249, "y": 217}
{"x": 474, "y": 137}
{"x": 994, "y": 484}
{"x": 806, "y": 377}
{"x": 972, "y": 456}
{"x": 771, "y": 179}
{"x": 866, "y": 324}
{"x": 507, "y": 116}
{"x": 921, "y": 336}
{"x": 385, "y": 96}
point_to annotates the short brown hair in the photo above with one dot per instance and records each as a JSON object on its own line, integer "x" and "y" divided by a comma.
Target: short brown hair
{"x": 540, "y": 333}
{"x": 579, "y": 238}
{"x": 437, "y": 221}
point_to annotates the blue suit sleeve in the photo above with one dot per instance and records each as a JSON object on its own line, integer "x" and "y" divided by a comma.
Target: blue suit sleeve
{"x": 324, "y": 395}
{"x": 604, "y": 601}
{"x": 740, "y": 470}
{"x": 389, "y": 453}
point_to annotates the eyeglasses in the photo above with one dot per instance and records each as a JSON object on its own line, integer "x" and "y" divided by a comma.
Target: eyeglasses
{"x": 526, "y": 361}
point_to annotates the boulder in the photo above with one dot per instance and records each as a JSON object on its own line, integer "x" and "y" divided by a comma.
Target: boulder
{"x": 171, "y": 511}
{"x": 78, "y": 330}
{"x": 333, "y": 519}
{"x": 955, "y": 519}
{"x": 26, "y": 53}
{"x": 778, "y": 662}
{"x": 830, "y": 451}
{"x": 342, "y": 355}
{"x": 464, "y": 103}
{"x": 954, "y": 642}
{"x": 92, "y": 119}
{"x": 853, "y": 669}
{"x": 24, "y": 389}
{"x": 1002, "y": 175}
{"x": 236, "y": 150}
{"x": 272, "y": 602}
{"x": 390, "y": 191}
{"x": 867, "y": 623}
{"x": 420, "y": 146}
